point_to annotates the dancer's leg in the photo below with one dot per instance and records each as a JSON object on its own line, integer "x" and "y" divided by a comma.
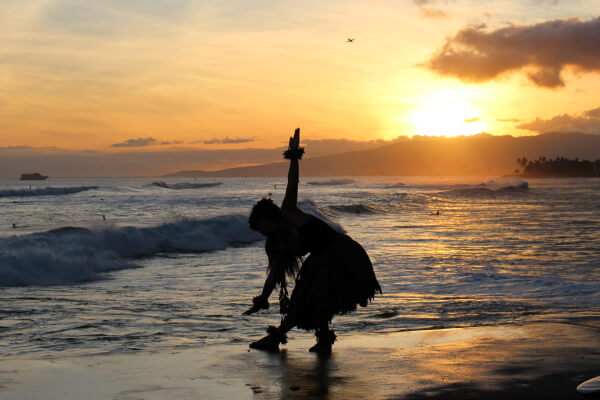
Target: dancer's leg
{"x": 325, "y": 339}
{"x": 276, "y": 335}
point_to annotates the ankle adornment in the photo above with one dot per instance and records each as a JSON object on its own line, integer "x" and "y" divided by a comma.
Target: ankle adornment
{"x": 277, "y": 334}
{"x": 325, "y": 336}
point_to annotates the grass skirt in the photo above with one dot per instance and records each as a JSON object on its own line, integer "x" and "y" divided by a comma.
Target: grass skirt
{"x": 333, "y": 280}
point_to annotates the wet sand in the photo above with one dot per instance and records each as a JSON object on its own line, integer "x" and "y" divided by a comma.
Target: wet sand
{"x": 545, "y": 361}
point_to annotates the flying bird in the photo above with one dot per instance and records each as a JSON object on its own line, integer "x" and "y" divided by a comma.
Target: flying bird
{"x": 350, "y": 40}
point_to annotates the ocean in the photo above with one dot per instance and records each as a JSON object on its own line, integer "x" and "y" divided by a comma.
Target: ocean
{"x": 101, "y": 266}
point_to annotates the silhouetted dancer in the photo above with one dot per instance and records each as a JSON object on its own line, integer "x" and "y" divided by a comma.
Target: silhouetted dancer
{"x": 335, "y": 278}
{"x": 103, "y": 217}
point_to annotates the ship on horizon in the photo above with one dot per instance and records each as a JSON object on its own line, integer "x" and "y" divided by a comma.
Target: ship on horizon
{"x": 35, "y": 176}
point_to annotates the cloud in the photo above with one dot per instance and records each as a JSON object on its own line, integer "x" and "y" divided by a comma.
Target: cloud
{"x": 474, "y": 119}
{"x": 139, "y": 142}
{"x": 508, "y": 120}
{"x": 594, "y": 113}
{"x": 144, "y": 142}
{"x": 108, "y": 17}
{"x": 543, "y": 50}
{"x": 429, "y": 12}
{"x": 227, "y": 140}
{"x": 15, "y": 148}
{"x": 586, "y": 122}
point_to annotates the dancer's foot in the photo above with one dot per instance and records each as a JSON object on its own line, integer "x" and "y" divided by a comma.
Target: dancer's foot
{"x": 325, "y": 339}
{"x": 268, "y": 343}
{"x": 321, "y": 348}
{"x": 271, "y": 341}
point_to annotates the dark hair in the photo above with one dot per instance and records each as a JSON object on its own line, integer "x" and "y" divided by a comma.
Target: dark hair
{"x": 280, "y": 248}
{"x": 265, "y": 208}
{"x": 283, "y": 263}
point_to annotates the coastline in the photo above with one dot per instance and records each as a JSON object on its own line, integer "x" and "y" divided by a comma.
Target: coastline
{"x": 544, "y": 360}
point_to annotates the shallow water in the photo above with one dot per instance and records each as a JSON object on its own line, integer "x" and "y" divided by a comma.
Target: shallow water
{"x": 175, "y": 265}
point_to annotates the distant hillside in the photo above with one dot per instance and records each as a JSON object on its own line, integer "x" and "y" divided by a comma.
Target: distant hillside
{"x": 482, "y": 154}
{"x": 560, "y": 167}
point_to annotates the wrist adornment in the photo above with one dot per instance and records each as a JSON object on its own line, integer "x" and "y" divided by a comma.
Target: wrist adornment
{"x": 294, "y": 154}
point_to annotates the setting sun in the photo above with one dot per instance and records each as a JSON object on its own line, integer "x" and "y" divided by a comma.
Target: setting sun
{"x": 447, "y": 113}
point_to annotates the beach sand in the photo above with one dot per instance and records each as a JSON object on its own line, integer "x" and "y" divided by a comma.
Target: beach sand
{"x": 546, "y": 361}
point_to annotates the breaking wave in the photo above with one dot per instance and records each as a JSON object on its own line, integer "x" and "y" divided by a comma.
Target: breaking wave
{"x": 493, "y": 188}
{"x": 184, "y": 185}
{"x": 48, "y": 191}
{"x": 310, "y": 207}
{"x": 332, "y": 182}
{"x": 70, "y": 254}
{"x": 354, "y": 209}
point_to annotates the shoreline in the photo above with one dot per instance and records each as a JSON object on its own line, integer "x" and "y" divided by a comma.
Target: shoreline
{"x": 542, "y": 360}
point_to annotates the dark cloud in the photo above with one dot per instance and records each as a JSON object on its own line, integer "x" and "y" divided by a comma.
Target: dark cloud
{"x": 544, "y": 50}
{"x": 139, "y": 142}
{"x": 15, "y": 148}
{"x": 144, "y": 142}
{"x": 586, "y": 122}
{"x": 474, "y": 119}
{"x": 227, "y": 140}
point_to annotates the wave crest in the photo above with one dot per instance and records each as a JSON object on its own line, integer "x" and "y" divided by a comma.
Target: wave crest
{"x": 184, "y": 185}
{"x": 47, "y": 191}
{"x": 331, "y": 182}
{"x": 69, "y": 255}
{"x": 493, "y": 188}
{"x": 354, "y": 209}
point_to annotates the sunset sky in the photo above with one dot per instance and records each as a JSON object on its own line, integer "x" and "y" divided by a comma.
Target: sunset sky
{"x": 109, "y": 75}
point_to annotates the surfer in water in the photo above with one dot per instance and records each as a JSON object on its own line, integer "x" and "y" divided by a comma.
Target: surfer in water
{"x": 335, "y": 278}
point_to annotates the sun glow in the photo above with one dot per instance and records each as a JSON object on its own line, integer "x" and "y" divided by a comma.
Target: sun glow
{"x": 447, "y": 113}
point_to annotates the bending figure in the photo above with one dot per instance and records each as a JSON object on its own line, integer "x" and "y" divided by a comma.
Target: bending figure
{"x": 335, "y": 278}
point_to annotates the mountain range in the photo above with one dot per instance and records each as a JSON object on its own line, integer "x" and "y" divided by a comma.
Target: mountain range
{"x": 481, "y": 154}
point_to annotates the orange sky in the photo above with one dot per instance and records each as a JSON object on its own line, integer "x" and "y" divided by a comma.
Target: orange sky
{"x": 244, "y": 74}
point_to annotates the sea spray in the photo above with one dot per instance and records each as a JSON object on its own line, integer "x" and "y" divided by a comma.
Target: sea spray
{"x": 69, "y": 255}
{"x": 310, "y": 207}
{"x": 47, "y": 191}
{"x": 183, "y": 185}
{"x": 331, "y": 182}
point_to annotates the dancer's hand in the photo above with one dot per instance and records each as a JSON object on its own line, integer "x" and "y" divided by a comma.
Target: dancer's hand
{"x": 251, "y": 310}
{"x": 260, "y": 302}
{"x": 295, "y": 141}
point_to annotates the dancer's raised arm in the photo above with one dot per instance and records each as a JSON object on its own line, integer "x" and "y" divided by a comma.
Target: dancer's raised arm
{"x": 293, "y": 153}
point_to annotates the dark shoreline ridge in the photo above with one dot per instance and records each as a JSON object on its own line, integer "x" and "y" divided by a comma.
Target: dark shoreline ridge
{"x": 477, "y": 155}
{"x": 560, "y": 167}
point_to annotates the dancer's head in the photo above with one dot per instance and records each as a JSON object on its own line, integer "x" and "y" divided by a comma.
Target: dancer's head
{"x": 266, "y": 217}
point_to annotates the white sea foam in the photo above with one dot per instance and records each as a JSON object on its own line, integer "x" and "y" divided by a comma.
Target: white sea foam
{"x": 310, "y": 207}
{"x": 69, "y": 255}
{"x": 184, "y": 185}
{"x": 332, "y": 182}
{"x": 47, "y": 191}
{"x": 506, "y": 183}
{"x": 354, "y": 209}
